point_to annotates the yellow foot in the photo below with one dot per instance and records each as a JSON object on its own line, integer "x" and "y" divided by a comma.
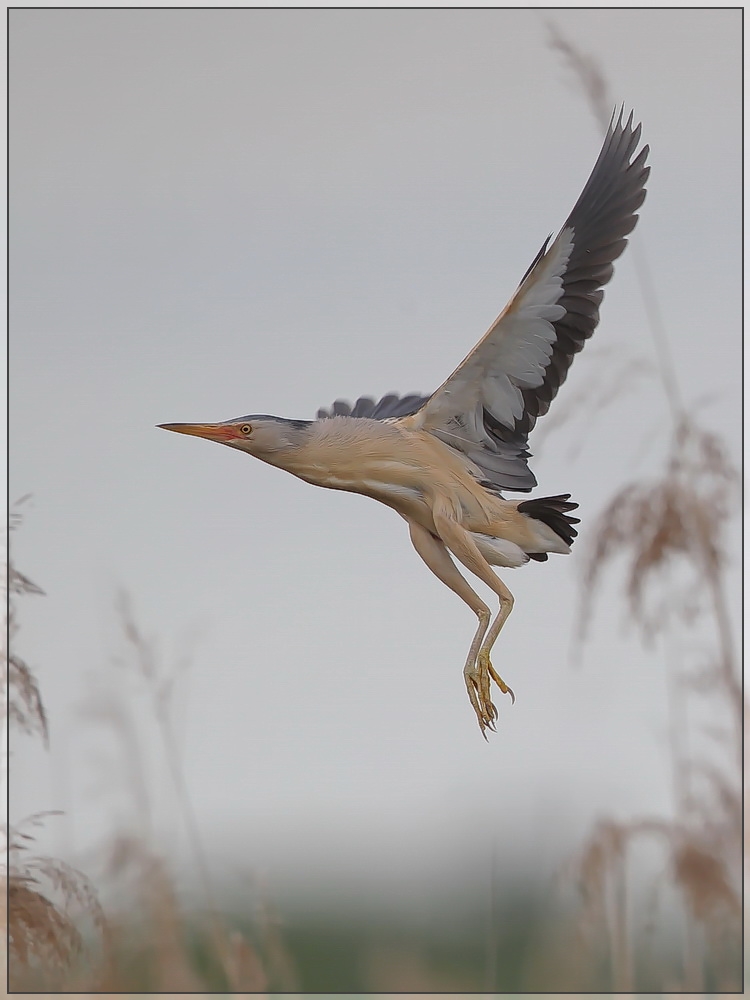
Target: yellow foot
{"x": 477, "y": 680}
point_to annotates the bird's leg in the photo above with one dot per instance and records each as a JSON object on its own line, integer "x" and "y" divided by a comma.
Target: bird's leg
{"x": 437, "y": 558}
{"x": 478, "y": 675}
{"x": 506, "y": 606}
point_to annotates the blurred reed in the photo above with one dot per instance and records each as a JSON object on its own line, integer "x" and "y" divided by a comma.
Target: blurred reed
{"x": 670, "y": 534}
{"x": 59, "y": 938}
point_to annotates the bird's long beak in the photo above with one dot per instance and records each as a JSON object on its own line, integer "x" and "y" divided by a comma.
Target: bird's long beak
{"x": 213, "y": 432}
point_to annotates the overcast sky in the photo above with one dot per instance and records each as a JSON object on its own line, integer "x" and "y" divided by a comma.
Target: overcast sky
{"x": 220, "y": 212}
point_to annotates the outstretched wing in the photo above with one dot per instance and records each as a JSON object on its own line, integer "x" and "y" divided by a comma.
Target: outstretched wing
{"x": 488, "y": 406}
{"x": 490, "y": 403}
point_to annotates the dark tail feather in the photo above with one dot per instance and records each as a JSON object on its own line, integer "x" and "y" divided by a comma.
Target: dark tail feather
{"x": 552, "y": 511}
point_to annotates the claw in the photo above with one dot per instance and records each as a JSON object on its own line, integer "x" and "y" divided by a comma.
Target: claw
{"x": 501, "y": 683}
{"x": 484, "y": 710}
{"x": 485, "y": 724}
{"x": 478, "y": 683}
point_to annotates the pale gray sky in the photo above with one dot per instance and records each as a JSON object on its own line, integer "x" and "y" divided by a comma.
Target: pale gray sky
{"x": 219, "y": 212}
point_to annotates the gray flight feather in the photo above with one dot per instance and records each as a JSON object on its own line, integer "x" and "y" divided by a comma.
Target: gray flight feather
{"x": 386, "y": 408}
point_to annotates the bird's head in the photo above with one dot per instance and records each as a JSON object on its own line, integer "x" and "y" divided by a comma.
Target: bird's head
{"x": 266, "y": 437}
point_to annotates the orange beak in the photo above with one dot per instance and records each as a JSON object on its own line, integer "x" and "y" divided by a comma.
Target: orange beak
{"x": 213, "y": 432}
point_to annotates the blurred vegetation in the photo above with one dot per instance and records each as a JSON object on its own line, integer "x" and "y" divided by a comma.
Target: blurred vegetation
{"x": 600, "y": 932}
{"x": 671, "y": 534}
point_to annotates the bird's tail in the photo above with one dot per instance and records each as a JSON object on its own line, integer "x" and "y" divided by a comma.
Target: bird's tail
{"x": 552, "y": 511}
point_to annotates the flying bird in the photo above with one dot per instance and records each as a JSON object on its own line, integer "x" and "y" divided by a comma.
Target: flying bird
{"x": 443, "y": 461}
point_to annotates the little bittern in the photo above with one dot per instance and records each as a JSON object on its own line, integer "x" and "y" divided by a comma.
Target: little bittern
{"x": 442, "y": 461}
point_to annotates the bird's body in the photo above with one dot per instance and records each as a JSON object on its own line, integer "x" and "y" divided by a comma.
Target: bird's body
{"x": 413, "y": 473}
{"x": 440, "y": 461}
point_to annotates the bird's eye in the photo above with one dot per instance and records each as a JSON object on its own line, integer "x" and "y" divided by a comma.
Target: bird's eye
{"x": 246, "y": 429}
